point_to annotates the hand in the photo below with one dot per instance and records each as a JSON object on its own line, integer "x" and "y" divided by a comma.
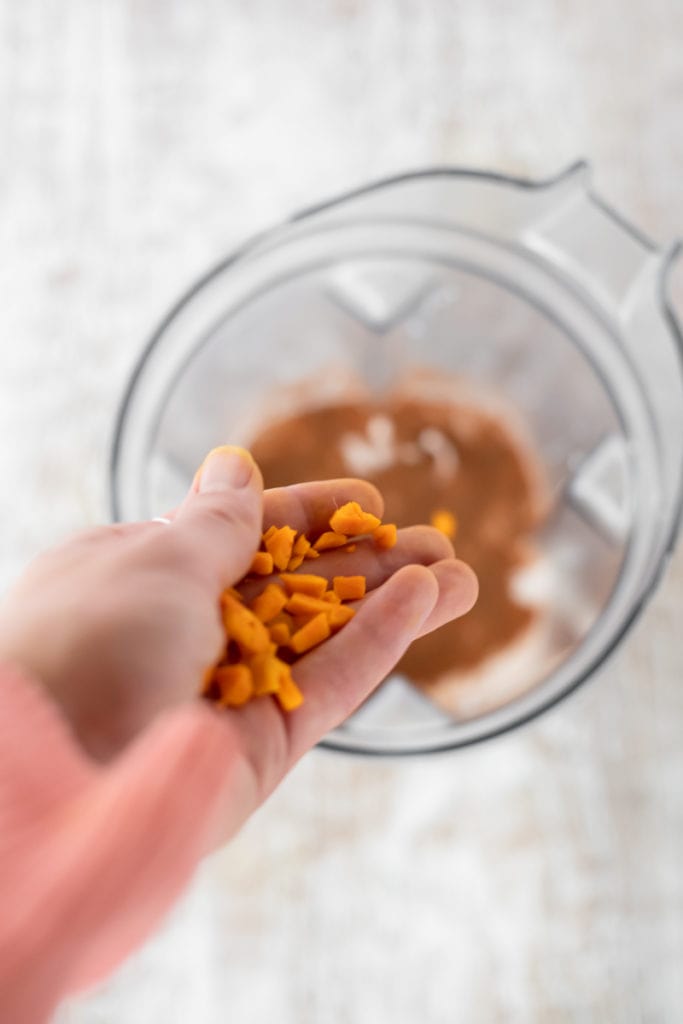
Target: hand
{"x": 119, "y": 625}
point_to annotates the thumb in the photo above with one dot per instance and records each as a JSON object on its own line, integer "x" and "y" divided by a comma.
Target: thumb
{"x": 221, "y": 520}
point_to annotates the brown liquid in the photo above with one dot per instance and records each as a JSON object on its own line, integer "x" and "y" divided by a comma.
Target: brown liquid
{"x": 478, "y": 470}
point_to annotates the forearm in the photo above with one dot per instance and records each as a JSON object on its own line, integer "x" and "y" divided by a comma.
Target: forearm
{"x": 92, "y": 857}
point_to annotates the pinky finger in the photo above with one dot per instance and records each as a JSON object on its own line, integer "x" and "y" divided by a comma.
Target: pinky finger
{"x": 338, "y": 676}
{"x": 458, "y": 592}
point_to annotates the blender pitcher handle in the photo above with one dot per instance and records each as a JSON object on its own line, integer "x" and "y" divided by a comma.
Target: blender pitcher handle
{"x": 598, "y": 248}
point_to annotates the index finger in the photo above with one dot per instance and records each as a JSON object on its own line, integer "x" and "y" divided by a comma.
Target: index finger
{"x": 307, "y": 507}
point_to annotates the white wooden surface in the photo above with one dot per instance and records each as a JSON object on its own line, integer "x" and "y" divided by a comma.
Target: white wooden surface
{"x": 537, "y": 879}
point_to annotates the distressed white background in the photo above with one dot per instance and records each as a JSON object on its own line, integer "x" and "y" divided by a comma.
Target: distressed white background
{"x": 540, "y": 878}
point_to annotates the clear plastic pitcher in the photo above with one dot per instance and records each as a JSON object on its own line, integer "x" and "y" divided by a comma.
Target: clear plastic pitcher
{"x": 538, "y": 292}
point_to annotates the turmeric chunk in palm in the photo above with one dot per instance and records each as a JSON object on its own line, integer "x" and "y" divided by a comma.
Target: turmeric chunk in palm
{"x": 262, "y": 563}
{"x": 304, "y": 604}
{"x": 279, "y": 544}
{"x": 289, "y": 695}
{"x": 339, "y": 615}
{"x": 269, "y": 603}
{"x": 351, "y": 520}
{"x": 349, "y": 588}
{"x": 279, "y": 633}
{"x": 265, "y": 669}
{"x": 304, "y": 583}
{"x": 329, "y": 540}
{"x": 243, "y": 626}
{"x": 235, "y": 684}
{"x": 385, "y": 536}
{"x": 314, "y": 632}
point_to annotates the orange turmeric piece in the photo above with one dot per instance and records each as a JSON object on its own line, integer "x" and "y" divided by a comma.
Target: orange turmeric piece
{"x": 313, "y": 633}
{"x": 235, "y": 684}
{"x": 329, "y": 540}
{"x": 289, "y": 695}
{"x": 304, "y": 583}
{"x": 444, "y": 521}
{"x": 279, "y": 544}
{"x": 243, "y": 626}
{"x": 339, "y": 615}
{"x": 262, "y": 563}
{"x": 385, "y": 536}
{"x": 301, "y": 544}
{"x": 279, "y": 633}
{"x": 285, "y": 618}
{"x": 349, "y": 588}
{"x": 269, "y": 603}
{"x": 300, "y": 550}
{"x": 265, "y": 669}
{"x": 351, "y": 520}
{"x": 304, "y": 604}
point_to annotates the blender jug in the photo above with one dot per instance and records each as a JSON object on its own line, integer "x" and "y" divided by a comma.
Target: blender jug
{"x": 535, "y": 299}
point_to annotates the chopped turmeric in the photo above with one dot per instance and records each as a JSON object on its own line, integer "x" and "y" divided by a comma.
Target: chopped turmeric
{"x": 351, "y": 520}
{"x": 283, "y": 618}
{"x": 294, "y": 562}
{"x": 304, "y": 583}
{"x": 279, "y": 633}
{"x": 279, "y": 544}
{"x": 235, "y": 684}
{"x": 349, "y": 588}
{"x": 385, "y": 536}
{"x": 302, "y": 545}
{"x": 339, "y": 615}
{"x": 304, "y": 604}
{"x": 329, "y": 540}
{"x": 243, "y": 626}
{"x": 269, "y": 602}
{"x": 265, "y": 669}
{"x": 289, "y": 695}
{"x": 313, "y": 633}
{"x": 262, "y": 563}
{"x": 444, "y": 521}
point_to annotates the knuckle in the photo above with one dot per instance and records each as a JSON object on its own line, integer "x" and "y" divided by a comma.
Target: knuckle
{"x": 178, "y": 550}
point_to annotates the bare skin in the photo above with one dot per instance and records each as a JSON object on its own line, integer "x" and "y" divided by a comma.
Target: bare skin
{"x": 120, "y": 622}
{"x": 126, "y": 779}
